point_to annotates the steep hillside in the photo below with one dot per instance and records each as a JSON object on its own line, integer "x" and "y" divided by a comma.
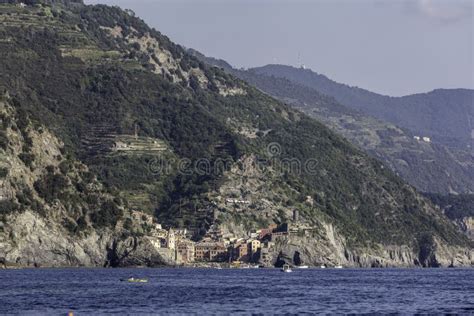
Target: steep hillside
{"x": 430, "y": 167}
{"x": 178, "y": 140}
{"x": 53, "y": 211}
{"x": 445, "y": 115}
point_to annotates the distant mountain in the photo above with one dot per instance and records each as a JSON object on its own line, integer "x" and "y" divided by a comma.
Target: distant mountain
{"x": 444, "y": 115}
{"x": 430, "y": 167}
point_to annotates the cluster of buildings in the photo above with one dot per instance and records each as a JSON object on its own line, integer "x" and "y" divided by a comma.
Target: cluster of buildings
{"x": 216, "y": 246}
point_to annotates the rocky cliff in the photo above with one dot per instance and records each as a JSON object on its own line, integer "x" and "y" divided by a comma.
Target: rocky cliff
{"x": 45, "y": 220}
{"x": 332, "y": 250}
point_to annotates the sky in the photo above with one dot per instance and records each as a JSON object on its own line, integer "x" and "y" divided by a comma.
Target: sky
{"x": 393, "y": 47}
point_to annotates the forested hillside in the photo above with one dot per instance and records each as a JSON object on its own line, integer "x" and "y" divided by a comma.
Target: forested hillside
{"x": 154, "y": 125}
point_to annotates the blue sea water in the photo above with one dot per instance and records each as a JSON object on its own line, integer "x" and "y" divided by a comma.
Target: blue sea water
{"x": 236, "y": 291}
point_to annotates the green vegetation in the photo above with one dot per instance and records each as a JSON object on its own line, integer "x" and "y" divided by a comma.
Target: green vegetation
{"x": 87, "y": 102}
{"x": 107, "y": 216}
{"x": 3, "y": 140}
{"x": 455, "y": 206}
{"x": 3, "y": 172}
{"x": 7, "y": 207}
{"x": 52, "y": 186}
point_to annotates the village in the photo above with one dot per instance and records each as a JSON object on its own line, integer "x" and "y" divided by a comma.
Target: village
{"x": 216, "y": 247}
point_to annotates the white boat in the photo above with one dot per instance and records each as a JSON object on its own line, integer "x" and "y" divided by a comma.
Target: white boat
{"x": 338, "y": 267}
{"x": 323, "y": 266}
{"x": 286, "y": 268}
{"x": 133, "y": 280}
{"x": 302, "y": 267}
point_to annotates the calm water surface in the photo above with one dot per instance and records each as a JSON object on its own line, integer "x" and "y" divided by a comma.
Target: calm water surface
{"x": 245, "y": 291}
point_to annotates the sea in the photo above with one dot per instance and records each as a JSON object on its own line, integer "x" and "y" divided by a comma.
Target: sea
{"x": 180, "y": 291}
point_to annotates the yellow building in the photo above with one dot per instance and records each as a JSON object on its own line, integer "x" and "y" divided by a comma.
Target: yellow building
{"x": 254, "y": 246}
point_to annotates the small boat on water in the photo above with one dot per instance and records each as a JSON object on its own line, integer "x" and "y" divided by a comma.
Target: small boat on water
{"x": 302, "y": 267}
{"x": 338, "y": 267}
{"x": 286, "y": 268}
{"x": 134, "y": 280}
{"x": 323, "y": 266}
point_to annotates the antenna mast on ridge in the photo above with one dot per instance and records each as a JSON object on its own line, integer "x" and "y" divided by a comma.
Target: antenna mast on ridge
{"x": 300, "y": 64}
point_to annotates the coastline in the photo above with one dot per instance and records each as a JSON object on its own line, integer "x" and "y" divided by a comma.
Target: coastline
{"x": 217, "y": 266}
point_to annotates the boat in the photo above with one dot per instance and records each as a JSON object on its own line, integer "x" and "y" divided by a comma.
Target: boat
{"x": 323, "y": 266}
{"x": 302, "y": 267}
{"x": 286, "y": 268}
{"x": 134, "y": 280}
{"x": 338, "y": 267}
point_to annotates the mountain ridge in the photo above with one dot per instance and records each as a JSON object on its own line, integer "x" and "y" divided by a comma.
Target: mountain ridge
{"x": 450, "y": 126}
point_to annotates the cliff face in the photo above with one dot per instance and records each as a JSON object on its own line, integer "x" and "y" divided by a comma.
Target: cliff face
{"x": 40, "y": 224}
{"x": 466, "y": 224}
{"x": 332, "y": 250}
{"x": 29, "y": 240}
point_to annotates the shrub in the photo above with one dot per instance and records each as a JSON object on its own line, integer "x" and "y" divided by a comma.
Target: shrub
{"x": 3, "y": 173}
{"x": 3, "y": 140}
{"x": 8, "y": 206}
{"x": 27, "y": 159}
{"x": 127, "y": 224}
{"x": 108, "y": 215}
{"x": 51, "y": 186}
{"x": 81, "y": 223}
{"x": 70, "y": 225}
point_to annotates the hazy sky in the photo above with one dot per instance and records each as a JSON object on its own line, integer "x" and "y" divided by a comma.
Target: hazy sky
{"x": 391, "y": 47}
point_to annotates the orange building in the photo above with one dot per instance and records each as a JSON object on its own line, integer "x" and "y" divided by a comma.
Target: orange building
{"x": 240, "y": 252}
{"x": 210, "y": 251}
{"x": 267, "y": 231}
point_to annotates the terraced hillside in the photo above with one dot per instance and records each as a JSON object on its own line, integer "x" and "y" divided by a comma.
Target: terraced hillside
{"x": 179, "y": 139}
